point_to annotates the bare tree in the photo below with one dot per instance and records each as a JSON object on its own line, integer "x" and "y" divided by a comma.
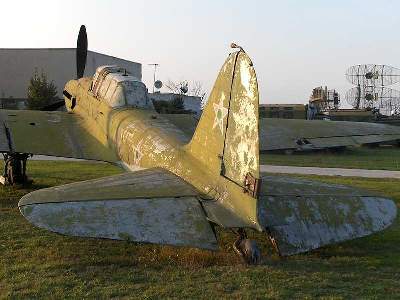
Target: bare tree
{"x": 180, "y": 87}
{"x": 195, "y": 88}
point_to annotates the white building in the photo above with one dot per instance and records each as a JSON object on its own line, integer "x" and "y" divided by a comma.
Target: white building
{"x": 18, "y": 65}
{"x": 192, "y": 103}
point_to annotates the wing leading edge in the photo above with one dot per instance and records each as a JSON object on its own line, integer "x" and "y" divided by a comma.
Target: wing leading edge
{"x": 152, "y": 206}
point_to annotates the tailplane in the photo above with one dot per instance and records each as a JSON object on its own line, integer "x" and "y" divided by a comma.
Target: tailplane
{"x": 226, "y": 138}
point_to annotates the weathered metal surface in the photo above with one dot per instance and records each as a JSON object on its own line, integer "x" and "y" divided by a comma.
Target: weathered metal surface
{"x": 162, "y": 206}
{"x": 241, "y": 149}
{"x": 52, "y": 133}
{"x": 144, "y": 139}
{"x": 207, "y": 144}
{"x": 302, "y": 215}
{"x": 149, "y": 183}
{"x": 171, "y": 221}
{"x": 186, "y": 123}
{"x": 280, "y": 134}
{"x": 151, "y": 205}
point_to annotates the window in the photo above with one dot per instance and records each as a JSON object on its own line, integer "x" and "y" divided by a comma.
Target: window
{"x": 118, "y": 98}
{"x": 111, "y": 90}
{"x": 104, "y": 87}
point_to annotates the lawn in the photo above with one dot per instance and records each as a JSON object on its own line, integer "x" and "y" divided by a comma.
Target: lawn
{"x": 35, "y": 263}
{"x": 380, "y": 158}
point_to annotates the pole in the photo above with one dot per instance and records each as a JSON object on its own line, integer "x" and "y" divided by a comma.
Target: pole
{"x": 154, "y": 74}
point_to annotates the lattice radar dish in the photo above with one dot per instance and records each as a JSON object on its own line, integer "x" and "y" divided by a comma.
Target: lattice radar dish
{"x": 371, "y": 91}
{"x": 373, "y": 75}
{"x": 385, "y": 99}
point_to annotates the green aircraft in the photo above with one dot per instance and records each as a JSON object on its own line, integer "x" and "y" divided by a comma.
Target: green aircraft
{"x": 178, "y": 190}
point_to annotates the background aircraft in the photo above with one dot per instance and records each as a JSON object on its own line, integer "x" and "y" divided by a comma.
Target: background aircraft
{"x": 298, "y": 135}
{"x": 179, "y": 190}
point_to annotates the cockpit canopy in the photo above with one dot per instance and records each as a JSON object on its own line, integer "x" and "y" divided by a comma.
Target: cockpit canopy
{"x": 119, "y": 88}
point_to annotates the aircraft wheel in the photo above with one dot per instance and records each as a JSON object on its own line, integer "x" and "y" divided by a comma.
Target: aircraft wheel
{"x": 247, "y": 249}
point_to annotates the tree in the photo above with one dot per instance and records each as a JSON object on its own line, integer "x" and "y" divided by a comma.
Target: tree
{"x": 198, "y": 91}
{"x": 40, "y": 92}
{"x": 183, "y": 87}
{"x": 180, "y": 88}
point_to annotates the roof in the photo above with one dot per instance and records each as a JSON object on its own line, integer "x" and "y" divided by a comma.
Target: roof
{"x": 117, "y": 73}
{"x": 63, "y": 49}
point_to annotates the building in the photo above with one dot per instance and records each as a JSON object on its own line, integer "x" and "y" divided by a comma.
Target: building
{"x": 18, "y": 65}
{"x": 283, "y": 111}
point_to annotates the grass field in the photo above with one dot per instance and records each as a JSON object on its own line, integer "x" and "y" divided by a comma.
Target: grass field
{"x": 382, "y": 158}
{"x": 35, "y": 263}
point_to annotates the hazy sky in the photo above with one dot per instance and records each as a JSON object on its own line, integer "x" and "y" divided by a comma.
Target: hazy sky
{"x": 294, "y": 45}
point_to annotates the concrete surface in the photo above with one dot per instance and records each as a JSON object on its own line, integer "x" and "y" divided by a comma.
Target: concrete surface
{"x": 331, "y": 171}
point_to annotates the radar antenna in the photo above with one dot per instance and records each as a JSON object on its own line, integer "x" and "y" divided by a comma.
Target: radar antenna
{"x": 370, "y": 91}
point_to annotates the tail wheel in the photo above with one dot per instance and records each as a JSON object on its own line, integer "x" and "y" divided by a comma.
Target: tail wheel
{"x": 247, "y": 249}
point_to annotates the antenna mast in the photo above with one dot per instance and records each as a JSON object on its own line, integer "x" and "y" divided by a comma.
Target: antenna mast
{"x": 154, "y": 74}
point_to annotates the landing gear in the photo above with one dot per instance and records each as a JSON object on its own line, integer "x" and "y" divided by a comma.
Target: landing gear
{"x": 15, "y": 169}
{"x": 247, "y": 249}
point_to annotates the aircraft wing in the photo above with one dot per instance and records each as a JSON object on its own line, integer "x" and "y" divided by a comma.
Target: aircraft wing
{"x": 281, "y": 134}
{"x": 50, "y": 133}
{"x": 301, "y": 215}
{"x": 152, "y": 206}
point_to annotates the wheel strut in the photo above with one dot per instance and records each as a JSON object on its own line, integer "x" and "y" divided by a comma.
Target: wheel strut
{"x": 15, "y": 169}
{"x": 247, "y": 249}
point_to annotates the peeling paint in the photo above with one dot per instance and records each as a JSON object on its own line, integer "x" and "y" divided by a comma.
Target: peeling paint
{"x": 141, "y": 220}
{"x": 161, "y": 203}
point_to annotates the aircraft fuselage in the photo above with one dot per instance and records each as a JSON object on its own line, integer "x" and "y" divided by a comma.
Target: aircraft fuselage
{"x": 142, "y": 138}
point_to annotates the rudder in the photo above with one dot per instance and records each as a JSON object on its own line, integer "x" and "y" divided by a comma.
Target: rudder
{"x": 226, "y": 138}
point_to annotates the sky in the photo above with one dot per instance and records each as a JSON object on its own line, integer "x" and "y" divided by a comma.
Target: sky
{"x": 295, "y": 45}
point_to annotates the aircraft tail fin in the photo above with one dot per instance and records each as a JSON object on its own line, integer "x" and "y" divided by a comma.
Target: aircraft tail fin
{"x": 227, "y": 136}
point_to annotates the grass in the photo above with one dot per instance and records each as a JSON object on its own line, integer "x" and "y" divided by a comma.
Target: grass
{"x": 35, "y": 263}
{"x": 380, "y": 158}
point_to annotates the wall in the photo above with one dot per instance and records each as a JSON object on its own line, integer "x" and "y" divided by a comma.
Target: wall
{"x": 192, "y": 103}
{"x": 18, "y": 65}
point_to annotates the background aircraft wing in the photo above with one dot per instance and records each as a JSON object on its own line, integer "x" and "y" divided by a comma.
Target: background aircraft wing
{"x": 50, "y": 133}
{"x": 301, "y": 215}
{"x": 152, "y": 205}
{"x": 281, "y": 134}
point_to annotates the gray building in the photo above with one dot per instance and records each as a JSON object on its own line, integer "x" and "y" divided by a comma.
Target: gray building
{"x": 18, "y": 65}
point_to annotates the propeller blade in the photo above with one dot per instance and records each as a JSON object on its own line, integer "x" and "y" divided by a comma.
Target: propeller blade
{"x": 54, "y": 106}
{"x": 81, "y": 52}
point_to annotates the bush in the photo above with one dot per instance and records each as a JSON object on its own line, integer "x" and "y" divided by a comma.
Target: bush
{"x": 41, "y": 92}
